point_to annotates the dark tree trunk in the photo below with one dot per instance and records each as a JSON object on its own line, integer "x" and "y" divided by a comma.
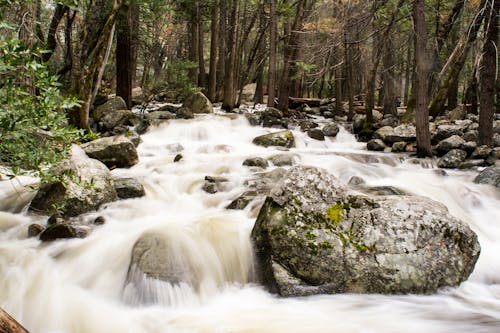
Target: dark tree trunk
{"x": 408, "y": 71}
{"x": 230, "y": 83}
{"x": 200, "y": 38}
{"x": 214, "y": 28}
{"x": 221, "y": 63}
{"x": 421, "y": 79}
{"x": 135, "y": 16}
{"x": 390, "y": 94}
{"x": 488, "y": 75}
{"x": 51, "y": 41}
{"x": 271, "y": 85}
{"x": 124, "y": 56}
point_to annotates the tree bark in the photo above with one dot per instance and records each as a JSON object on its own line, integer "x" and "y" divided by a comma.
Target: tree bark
{"x": 214, "y": 28}
{"x": 389, "y": 76}
{"x": 200, "y": 38}
{"x": 9, "y": 324}
{"x": 271, "y": 84}
{"x": 124, "y": 55}
{"x": 230, "y": 83}
{"x": 421, "y": 79}
{"x": 488, "y": 73}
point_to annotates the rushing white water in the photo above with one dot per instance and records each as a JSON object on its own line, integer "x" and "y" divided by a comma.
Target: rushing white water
{"x": 78, "y": 286}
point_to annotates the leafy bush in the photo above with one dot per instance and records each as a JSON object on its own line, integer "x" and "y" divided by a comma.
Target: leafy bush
{"x": 175, "y": 81}
{"x": 34, "y": 132}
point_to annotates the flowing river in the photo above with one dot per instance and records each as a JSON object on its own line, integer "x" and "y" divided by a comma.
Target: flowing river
{"x": 79, "y": 285}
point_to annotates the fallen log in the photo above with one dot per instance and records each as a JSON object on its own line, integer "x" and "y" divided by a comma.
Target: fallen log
{"x": 9, "y": 324}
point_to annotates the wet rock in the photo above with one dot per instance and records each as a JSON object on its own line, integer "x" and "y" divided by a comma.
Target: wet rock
{"x": 355, "y": 181}
{"x": 316, "y": 134}
{"x": 283, "y": 159}
{"x": 399, "y": 147}
{"x": 158, "y": 257}
{"x": 331, "y": 129}
{"x": 113, "y": 104}
{"x": 358, "y": 123}
{"x": 452, "y": 159}
{"x": 311, "y": 237}
{"x": 114, "y": 151}
{"x": 118, "y": 118}
{"x": 472, "y": 164}
{"x": 282, "y": 139}
{"x": 61, "y": 231}
{"x": 375, "y": 145}
{"x": 35, "y": 229}
{"x": 383, "y": 190}
{"x": 256, "y": 162}
{"x": 55, "y": 218}
{"x": 264, "y": 181}
{"x": 100, "y": 220}
{"x": 389, "y": 120}
{"x": 85, "y": 185}
{"x": 214, "y": 184}
{"x": 384, "y": 132}
{"x": 243, "y": 200}
{"x": 142, "y": 126}
{"x": 177, "y": 158}
{"x": 138, "y": 96}
{"x": 127, "y": 188}
{"x": 134, "y": 137}
{"x": 157, "y": 116}
{"x": 306, "y": 125}
{"x": 489, "y": 176}
{"x": 198, "y": 103}
{"x": 272, "y": 117}
{"x": 184, "y": 113}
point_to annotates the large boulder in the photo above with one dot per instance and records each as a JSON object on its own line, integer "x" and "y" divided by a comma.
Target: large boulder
{"x": 453, "y": 142}
{"x": 198, "y": 103}
{"x": 311, "y": 237}
{"x": 117, "y": 118}
{"x": 84, "y": 185}
{"x": 331, "y": 129}
{"x": 490, "y": 176}
{"x": 404, "y": 132}
{"x": 113, "y": 104}
{"x": 282, "y": 139}
{"x": 452, "y": 159}
{"x": 114, "y": 151}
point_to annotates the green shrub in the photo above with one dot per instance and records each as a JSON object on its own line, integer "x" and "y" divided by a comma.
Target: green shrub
{"x": 34, "y": 132}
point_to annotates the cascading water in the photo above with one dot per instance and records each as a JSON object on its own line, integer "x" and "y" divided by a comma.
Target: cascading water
{"x": 82, "y": 285}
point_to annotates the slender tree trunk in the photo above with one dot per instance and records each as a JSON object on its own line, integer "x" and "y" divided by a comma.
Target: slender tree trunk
{"x": 348, "y": 61}
{"x": 390, "y": 93}
{"x": 230, "y": 83}
{"x": 124, "y": 56}
{"x": 193, "y": 49}
{"x": 135, "y": 12}
{"x": 51, "y": 41}
{"x": 273, "y": 26}
{"x": 408, "y": 70}
{"x": 214, "y": 28}
{"x": 339, "y": 108}
{"x": 200, "y": 38}
{"x": 488, "y": 74}
{"x": 421, "y": 79}
{"x": 221, "y": 63}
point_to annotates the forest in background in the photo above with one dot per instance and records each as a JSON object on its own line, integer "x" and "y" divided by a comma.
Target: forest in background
{"x": 429, "y": 56}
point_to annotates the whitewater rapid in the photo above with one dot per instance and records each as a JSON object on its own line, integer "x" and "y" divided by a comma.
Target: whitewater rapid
{"x": 78, "y": 285}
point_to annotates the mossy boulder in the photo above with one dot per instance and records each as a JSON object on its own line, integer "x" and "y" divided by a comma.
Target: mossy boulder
{"x": 313, "y": 237}
{"x": 281, "y": 139}
{"x": 198, "y": 103}
{"x": 114, "y": 151}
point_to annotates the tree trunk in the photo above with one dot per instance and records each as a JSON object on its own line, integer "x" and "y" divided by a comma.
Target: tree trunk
{"x": 135, "y": 16}
{"x": 201, "y": 60}
{"x": 390, "y": 94}
{"x": 290, "y": 58}
{"x": 221, "y": 62}
{"x": 408, "y": 71}
{"x": 273, "y": 26}
{"x": 339, "y": 108}
{"x": 124, "y": 56}
{"x": 421, "y": 79}
{"x": 93, "y": 61}
{"x": 229, "y": 100}
{"x": 451, "y": 70}
{"x": 9, "y": 324}
{"x": 214, "y": 28}
{"x": 488, "y": 74}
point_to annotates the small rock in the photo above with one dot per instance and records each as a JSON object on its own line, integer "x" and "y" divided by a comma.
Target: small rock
{"x": 34, "y": 230}
{"x": 398, "y": 147}
{"x": 331, "y": 129}
{"x": 61, "y": 231}
{"x": 452, "y": 159}
{"x": 453, "y": 142}
{"x": 256, "y": 162}
{"x": 214, "y": 184}
{"x": 306, "y": 125}
{"x": 490, "y": 176}
{"x": 472, "y": 164}
{"x": 316, "y": 134}
{"x": 481, "y": 152}
{"x": 100, "y": 220}
{"x": 127, "y": 188}
{"x": 178, "y": 157}
{"x": 282, "y": 139}
{"x": 283, "y": 159}
{"x": 184, "y": 113}
{"x": 375, "y": 145}
{"x": 243, "y": 200}
{"x": 355, "y": 180}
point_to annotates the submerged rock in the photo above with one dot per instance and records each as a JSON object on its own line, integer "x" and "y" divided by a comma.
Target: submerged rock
{"x": 256, "y": 162}
{"x": 490, "y": 176}
{"x": 311, "y": 237}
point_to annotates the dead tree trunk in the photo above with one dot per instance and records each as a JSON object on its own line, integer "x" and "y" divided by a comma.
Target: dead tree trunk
{"x": 9, "y": 324}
